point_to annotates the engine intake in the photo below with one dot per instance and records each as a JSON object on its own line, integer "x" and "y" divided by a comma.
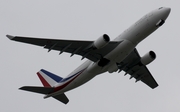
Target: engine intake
{"x": 148, "y": 58}
{"x": 101, "y": 41}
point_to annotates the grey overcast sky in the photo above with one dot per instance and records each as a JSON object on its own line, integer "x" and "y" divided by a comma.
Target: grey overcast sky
{"x": 86, "y": 20}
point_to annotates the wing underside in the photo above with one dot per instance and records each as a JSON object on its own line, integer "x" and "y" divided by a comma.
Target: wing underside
{"x": 132, "y": 66}
{"x": 82, "y": 48}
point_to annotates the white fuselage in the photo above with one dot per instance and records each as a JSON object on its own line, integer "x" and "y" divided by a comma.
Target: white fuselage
{"x": 130, "y": 39}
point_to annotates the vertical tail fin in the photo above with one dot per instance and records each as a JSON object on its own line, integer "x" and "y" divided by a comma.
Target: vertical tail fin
{"x": 48, "y": 79}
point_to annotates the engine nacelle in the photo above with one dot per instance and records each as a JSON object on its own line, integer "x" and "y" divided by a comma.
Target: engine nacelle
{"x": 101, "y": 41}
{"x": 148, "y": 58}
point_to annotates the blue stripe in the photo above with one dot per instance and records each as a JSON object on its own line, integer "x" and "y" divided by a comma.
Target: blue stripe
{"x": 65, "y": 79}
{"x": 51, "y": 75}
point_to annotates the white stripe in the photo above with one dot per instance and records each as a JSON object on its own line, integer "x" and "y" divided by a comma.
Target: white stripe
{"x": 48, "y": 79}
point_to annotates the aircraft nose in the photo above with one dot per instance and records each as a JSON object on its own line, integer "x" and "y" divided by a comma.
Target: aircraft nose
{"x": 168, "y": 10}
{"x": 165, "y": 12}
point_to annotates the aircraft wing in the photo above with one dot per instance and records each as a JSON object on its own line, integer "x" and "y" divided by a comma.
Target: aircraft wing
{"x": 83, "y": 48}
{"x": 131, "y": 66}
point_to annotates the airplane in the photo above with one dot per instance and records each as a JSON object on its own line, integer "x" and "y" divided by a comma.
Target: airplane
{"x": 102, "y": 56}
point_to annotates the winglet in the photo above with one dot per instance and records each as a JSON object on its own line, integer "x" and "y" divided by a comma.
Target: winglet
{"x": 10, "y": 37}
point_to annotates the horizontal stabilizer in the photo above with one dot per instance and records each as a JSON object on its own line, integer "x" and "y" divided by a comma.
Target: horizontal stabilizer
{"x": 62, "y": 98}
{"x": 10, "y": 37}
{"x": 41, "y": 90}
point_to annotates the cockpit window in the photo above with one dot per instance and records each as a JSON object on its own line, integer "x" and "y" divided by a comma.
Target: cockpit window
{"x": 160, "y": 8}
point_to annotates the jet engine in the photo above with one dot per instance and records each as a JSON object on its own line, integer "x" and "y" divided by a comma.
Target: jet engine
{"x": 148, "y": 58}
{"x": 101, "y": 41}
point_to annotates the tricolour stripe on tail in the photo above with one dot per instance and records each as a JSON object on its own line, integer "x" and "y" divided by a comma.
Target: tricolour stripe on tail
{"x": 48, "y": 79}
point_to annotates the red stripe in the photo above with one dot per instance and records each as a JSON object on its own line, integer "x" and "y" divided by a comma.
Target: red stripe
{"x": 64, "y": 85}
{"x": 44, "y": 82}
